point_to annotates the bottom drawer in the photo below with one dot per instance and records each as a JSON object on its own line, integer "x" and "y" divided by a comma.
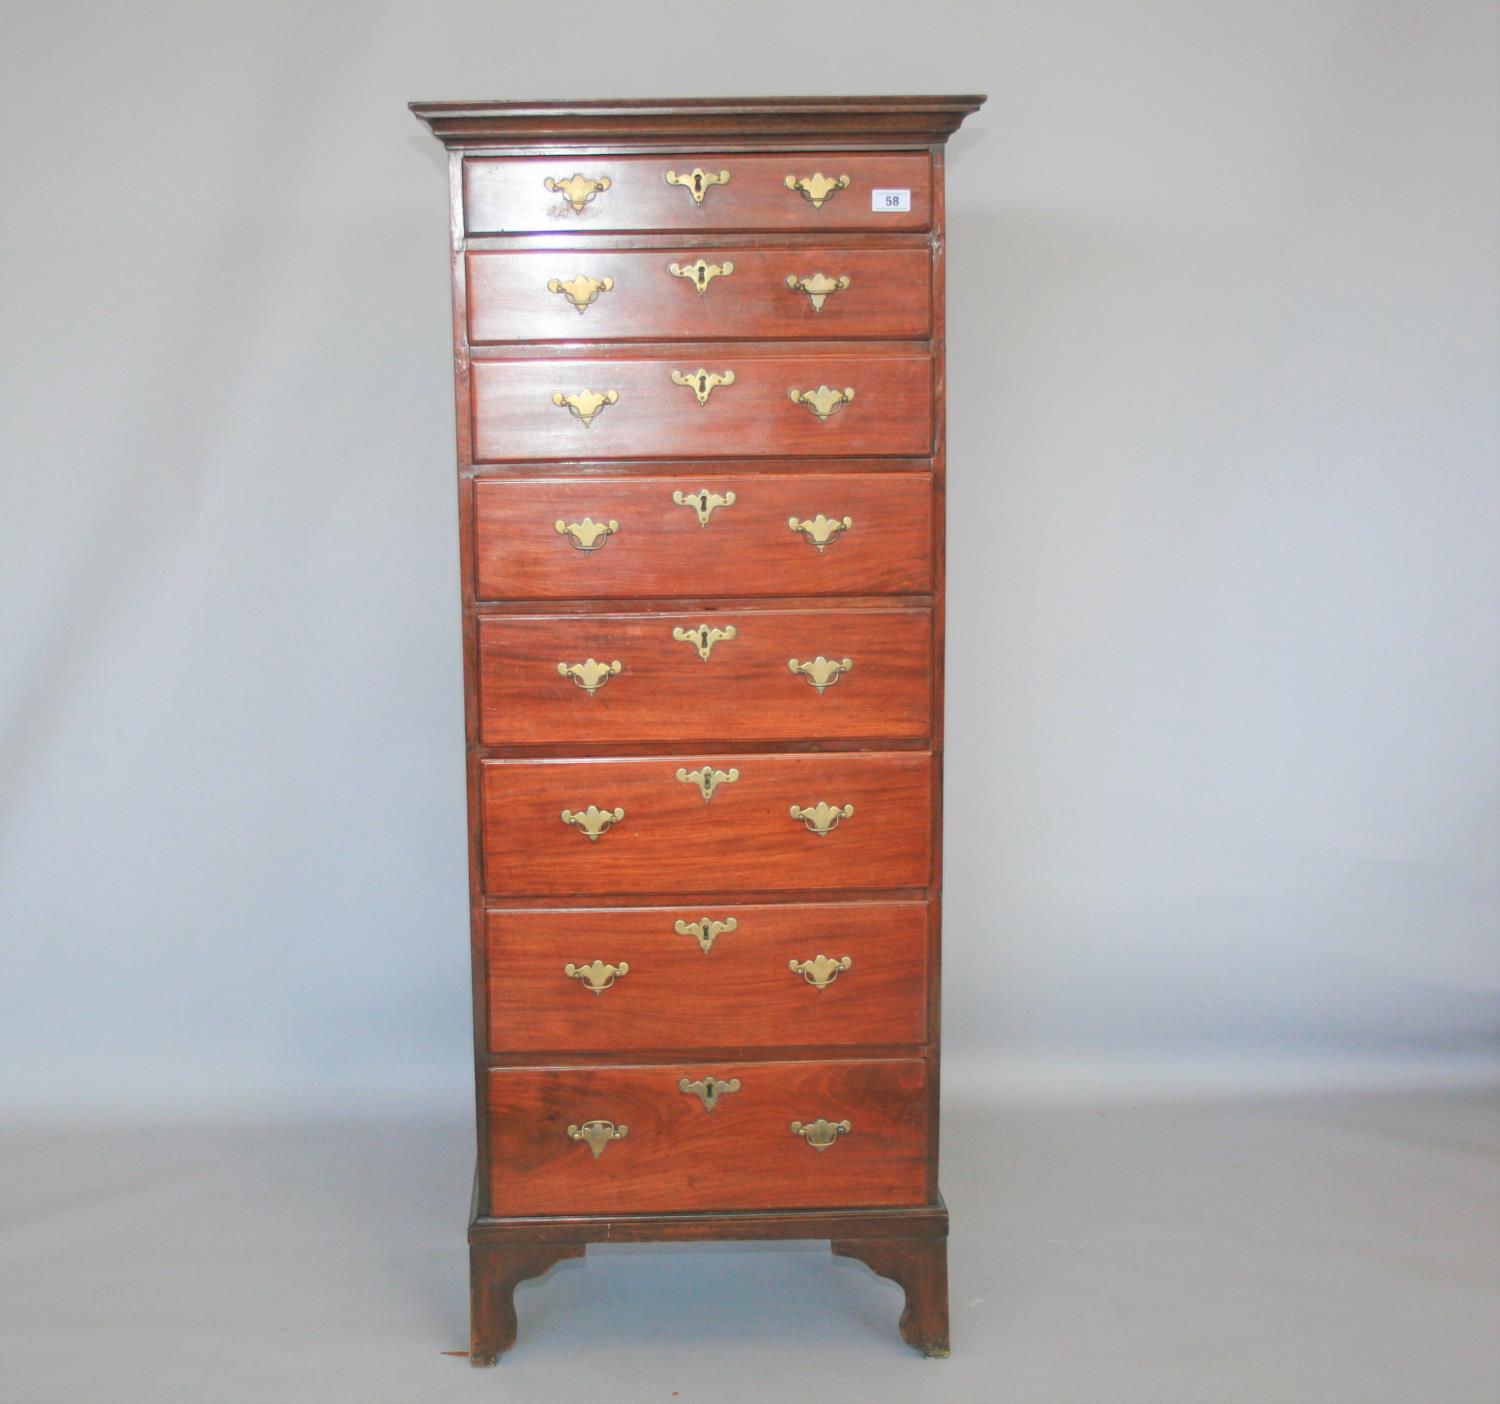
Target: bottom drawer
{"x": 634, "y": 1140}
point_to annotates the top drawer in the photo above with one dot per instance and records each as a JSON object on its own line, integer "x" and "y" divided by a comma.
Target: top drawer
{"x": 596, "y": 193}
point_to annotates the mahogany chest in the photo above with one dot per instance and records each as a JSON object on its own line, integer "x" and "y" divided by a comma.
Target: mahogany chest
{"x": 699, "y": 368}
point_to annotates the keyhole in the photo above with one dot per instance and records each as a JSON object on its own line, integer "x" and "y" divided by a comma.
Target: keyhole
{"x": 698, "y": 184}
{"x": 702, "y": 276}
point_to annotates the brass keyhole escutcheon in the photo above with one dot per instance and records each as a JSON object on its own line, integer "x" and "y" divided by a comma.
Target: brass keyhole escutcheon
{"x": 703, "y": 638}
{"x": 701, "y": 382}
{"x": 708, "y": 1090}
{"x": 698, "y": 182}
{"x": 703, "y": 502}
{"x": 706, "y": 930}
{"x": 708, "y": 780}
{"x": 701, "y": 273}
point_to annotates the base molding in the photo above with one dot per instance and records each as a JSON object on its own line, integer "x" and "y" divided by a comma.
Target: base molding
{"x": 909, "y": 1246}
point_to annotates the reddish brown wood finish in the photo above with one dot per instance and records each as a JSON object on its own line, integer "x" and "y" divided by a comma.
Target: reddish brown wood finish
{"x": 494, "y": 1275}
{"x": 890, "y": 470}
{"x": 891, "y": 414}
{"x": 746, "y": 550}
{"x": 744, "y": 840}
{"x": 678, "y": 1156}
{"x": 739, "y": 994}
{"x": 920, "y": 1267}
{"x": 745, "y": 690}
{"x": 889, "y": 294}
{"x": 510, "y": 196}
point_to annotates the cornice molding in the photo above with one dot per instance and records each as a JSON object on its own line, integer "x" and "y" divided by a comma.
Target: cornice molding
{"x": 701, "y": 122}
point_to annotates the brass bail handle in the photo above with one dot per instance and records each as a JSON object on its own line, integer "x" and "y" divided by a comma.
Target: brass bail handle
{"x": 578, "y": 189}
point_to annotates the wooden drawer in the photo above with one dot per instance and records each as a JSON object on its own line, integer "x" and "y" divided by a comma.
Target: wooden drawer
{"x": 516, "y": 417}
{"x": 528, "y": 296}
{"x": 747, "y": 548}
{"x": 550, "y": 679}
{"x": 674, "y": 1155}
{"x": 655, "y": 986}
{"x": 744, "y": 839}
{"x": 511, "y": 195}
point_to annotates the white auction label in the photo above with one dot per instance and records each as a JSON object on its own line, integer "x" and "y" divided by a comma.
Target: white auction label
{"x": 891, "y": 201}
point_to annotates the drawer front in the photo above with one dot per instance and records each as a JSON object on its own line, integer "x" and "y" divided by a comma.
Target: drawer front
{"x": 743, "y": 544}
{"x": 699, "y": 294}
{"x": 546, "y": 679}
{"x": 653, "y": 832}
{"x": 675, "y": 1155}
{"x": 724, "y": 976}
{"x": 651, "y": 416}
{"x": 568, "y": 194}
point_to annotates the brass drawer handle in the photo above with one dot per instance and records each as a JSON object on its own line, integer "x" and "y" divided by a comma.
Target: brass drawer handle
{"x": 819, "y": 1134}
{"x": 698, "y": 182}
{"x": 581, "y": 291}
{"x": 702, "y": 273}
{"x": 821, "y": 672}
{"x": 703, "y": 502}
{"x": 704, "y": 638}
{"x": 701, "y": 382}
{"x": 823, "y": 818}
{"x": 598, "y": 1134}
{"x": 818, "y": 286}
{"x": 586, "y": 404}
{"x": 817, "y": 187}
{"x": 821, "y": 402}
{"x": 819, "y": 972}
{"x": 587, "y": 535}
{"x": 707, "y": 780}
{"x": 821, "y": 532}
{"x": 589, "y": 675}
{"x": 596, "y": 975}
{"x": 577, "y": 189}
{"x": 705, "y": 930}
{"x": 708, "y": 1090}
{"x": 593, "y": 821}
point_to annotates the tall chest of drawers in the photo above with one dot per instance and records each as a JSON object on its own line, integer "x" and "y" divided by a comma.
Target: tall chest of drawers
{"x": 699, "y": 363}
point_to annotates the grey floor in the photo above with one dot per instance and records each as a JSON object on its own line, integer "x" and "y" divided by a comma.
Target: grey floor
{"x": 1299, "y": 1249}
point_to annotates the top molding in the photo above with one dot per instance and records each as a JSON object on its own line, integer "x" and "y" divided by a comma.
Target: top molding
{"x": 701, "y": 122}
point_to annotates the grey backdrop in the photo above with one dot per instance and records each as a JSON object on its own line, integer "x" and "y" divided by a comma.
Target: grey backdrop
{"x": 1223, "y": 698}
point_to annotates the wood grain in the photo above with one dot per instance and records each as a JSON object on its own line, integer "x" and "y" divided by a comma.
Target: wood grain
{"x": 744, "y": 840}
{"x": 891, "y": 414}
{"x": 889, "y": 295}
{"x": 745, "y": 550}
{"x": 744, "y": 691}
{"x": 740, "y": 993}
{"x": 509, "y": 195}
{"x": 676, "y": 1155}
